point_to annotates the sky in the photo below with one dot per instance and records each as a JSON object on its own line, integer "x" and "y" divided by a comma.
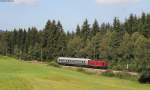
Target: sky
{"x": 28, "y": 13}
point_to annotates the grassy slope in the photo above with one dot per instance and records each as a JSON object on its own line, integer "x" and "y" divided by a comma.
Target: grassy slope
{"x": 16, "y": 75}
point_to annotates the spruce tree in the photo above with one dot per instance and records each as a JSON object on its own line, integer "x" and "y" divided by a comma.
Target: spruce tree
{"x": 95, "y": 28}
{"x": 85, "y": 30}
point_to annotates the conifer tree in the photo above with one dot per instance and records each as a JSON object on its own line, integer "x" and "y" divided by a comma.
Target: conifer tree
{"x": 85, "y": 30}
{"x": 78, "y": 30}
{"x": 95, "y": 28}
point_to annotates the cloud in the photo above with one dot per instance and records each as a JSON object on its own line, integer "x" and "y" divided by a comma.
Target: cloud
{"x": 116, "y": 1}
{"x": 28, "y": 2}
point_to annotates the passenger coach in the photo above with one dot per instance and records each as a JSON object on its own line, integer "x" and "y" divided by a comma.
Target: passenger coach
{"x": 82, "y": 62}
{"x": 73, "y": 61}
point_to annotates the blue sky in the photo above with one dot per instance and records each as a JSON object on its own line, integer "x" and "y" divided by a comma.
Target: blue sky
{"x": 27, "y": 13}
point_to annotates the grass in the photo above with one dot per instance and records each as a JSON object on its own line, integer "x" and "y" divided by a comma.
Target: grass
{"x": 20, "y": 75}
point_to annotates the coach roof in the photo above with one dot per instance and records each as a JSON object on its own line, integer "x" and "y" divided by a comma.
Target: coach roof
{"x": 68, "y": 58}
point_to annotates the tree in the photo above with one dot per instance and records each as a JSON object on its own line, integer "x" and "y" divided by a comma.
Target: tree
{"x": 2, "y": 43}
{"x": 6, "y": 43}
{"x": 85, "y": 30}
{"x": 144, "y": 26}
{"x": 51, "y": 39}
{"x": 14, "y": 40}
{"x": 105, "y": 46}
{"x": 126, "y": 52}
{"x": 131, "y": 24}
{"x": 116, "y": 25}
{"x": 93, "y": 45}
{"x": 74, "y": 47}
{"x": 95, "y": 28}
{"x": 78, "y": 30}
{"x": 61, "y": 40}
{"x": 142, "y": 52}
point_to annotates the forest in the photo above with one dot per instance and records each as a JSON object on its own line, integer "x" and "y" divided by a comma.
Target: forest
{"x": 120, "y": 43}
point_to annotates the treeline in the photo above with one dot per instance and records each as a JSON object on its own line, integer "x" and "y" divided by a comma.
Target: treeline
{"x": 33, "y": 44}
{"x": 120, "y": 43}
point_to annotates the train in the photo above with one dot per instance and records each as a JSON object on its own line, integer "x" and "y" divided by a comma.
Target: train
{"x": 83, "y": 62}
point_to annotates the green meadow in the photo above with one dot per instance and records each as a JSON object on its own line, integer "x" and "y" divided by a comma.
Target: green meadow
{"x": 20, "y": 75}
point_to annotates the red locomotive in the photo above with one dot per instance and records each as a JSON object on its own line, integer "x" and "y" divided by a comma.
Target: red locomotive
{"x": 98, "y": 63}
{"x": 83, "y": 62}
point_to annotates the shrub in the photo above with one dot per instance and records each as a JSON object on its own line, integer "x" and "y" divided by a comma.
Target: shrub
{"x": 145, "y": 77}
{"x": 109, "y": 74}
{"x": 54, "y": 64}
{"x": 121, "y": 75}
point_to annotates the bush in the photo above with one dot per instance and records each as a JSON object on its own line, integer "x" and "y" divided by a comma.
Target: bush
{"x": 108, "y": 74}
{"x": 121, "y": 75}
{"x": 145, "y": 77}
{"x": 54, "y": 64}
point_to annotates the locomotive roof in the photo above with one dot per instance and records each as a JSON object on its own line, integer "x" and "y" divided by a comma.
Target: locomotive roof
{"x": 85, "y": 59}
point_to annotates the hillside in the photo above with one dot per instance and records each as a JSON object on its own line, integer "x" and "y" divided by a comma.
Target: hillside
{"x": 20, "y": 75}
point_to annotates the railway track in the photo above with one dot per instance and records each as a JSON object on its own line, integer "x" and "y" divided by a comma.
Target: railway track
{"x": 100, "y": 71}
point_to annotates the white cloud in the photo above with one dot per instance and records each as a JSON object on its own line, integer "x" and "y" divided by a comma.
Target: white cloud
{"x": 116, "y": 1}
{"x": 28, "y": 2}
